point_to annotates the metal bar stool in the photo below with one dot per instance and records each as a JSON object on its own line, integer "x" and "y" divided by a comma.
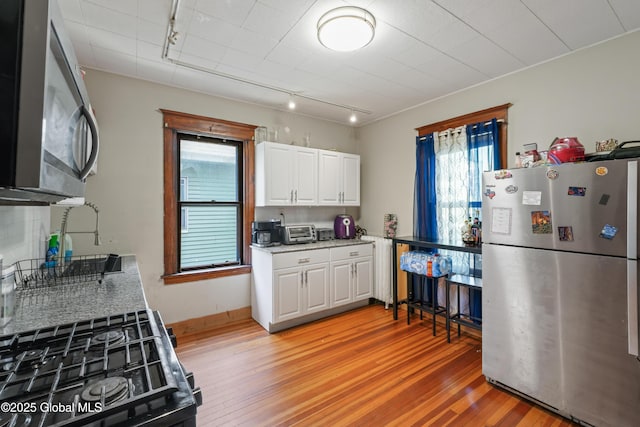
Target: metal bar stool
{"x": 469, "y": 282}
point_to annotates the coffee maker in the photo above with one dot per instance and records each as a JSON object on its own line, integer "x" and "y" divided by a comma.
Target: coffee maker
{"x": 265, "y": 233}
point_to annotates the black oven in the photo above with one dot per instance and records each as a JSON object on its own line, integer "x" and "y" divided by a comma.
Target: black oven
{"x": 118, "y": 370}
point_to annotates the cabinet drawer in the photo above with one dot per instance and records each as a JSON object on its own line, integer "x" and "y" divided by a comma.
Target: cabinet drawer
{"x": 351, "y": 251}
{"x": 301, "y": 258}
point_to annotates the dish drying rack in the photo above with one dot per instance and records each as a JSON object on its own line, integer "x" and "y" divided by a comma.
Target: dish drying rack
{"x": 37, "y": 272}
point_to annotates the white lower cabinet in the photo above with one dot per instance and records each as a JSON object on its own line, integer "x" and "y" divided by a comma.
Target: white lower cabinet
{"x": 300, "y": 291}
{"x": 341, "y": 289}
{"x": 363, "y": 283}
{"x": 292, "y": 288}
{"x": 351, "y": 274}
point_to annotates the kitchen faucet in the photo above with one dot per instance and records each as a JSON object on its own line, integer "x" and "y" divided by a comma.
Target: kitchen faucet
{"x": 63, "y": 228}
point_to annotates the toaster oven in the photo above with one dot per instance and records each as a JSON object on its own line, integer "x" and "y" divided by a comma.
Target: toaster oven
{"x": 293, "y": 234}
{"x": 324, "y": 234}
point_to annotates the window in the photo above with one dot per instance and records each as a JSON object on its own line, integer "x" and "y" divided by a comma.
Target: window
{"x": 208, "y": 197}
{"x": 213, "y": 203}
{"x": 184, "y": 212}
{"x": 184, "y": 220}
{"x": 451, "y": 157}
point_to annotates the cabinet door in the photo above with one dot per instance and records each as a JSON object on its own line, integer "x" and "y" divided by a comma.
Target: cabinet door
{"x": 278, "y": 170}
{"x": 341, "y": 274}
{"x": 288, "y": 294}
{"x": 329, "y": 178}
{"x": 363, "y": 282}
{"x": 350, "y": 180}
{"x": 305, "y": 185}
{"x": 316, "y": 288}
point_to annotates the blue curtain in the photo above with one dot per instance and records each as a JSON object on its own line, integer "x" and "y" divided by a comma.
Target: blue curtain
{"x": 484, "y": 155}
{"x": 425, "y": 224}
{"x": 424, "y": 205}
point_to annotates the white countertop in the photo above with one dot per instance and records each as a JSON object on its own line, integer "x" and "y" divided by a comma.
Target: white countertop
{"x": 308, "y": 246}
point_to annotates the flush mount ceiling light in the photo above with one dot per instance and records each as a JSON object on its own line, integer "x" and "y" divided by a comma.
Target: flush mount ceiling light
{"x": 347, "y": 28}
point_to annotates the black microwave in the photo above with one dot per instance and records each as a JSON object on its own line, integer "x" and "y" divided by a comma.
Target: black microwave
{"x": 48, "y": 132}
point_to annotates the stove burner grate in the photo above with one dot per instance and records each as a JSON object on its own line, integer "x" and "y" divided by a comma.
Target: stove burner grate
{"x": 32, "y": 354}
{"x": 109, "y": 390}
{"x": 17, "y": 420}
{"x": 112, "y": 337}
{"x": 118, "y": 361}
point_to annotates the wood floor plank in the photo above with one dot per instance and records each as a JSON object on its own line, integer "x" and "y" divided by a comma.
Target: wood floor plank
{"x": 359, "y": 368}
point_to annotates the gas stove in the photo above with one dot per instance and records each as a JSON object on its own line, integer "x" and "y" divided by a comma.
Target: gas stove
{"x": 111, "y": 371}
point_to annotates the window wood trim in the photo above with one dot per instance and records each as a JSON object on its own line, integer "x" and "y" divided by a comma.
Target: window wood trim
{"x": 499, "y": 112}
{"x": 175, "y": 122}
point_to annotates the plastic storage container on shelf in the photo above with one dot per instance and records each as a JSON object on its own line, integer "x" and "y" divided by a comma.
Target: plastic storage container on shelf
{"x": 425, "y": 263}
{"x": 441, "y": 265}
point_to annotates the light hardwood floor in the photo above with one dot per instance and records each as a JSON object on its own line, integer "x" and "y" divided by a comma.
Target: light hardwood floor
{"x": 360, "y": 368}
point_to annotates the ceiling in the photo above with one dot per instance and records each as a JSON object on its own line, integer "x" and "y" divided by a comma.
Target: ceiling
{"x": 422, "y": 50}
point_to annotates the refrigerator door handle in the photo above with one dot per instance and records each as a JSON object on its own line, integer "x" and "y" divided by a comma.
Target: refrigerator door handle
{"x": 632, "y": 257}
{"x": 632, "y": 210}
{"x": 632, "y": 306}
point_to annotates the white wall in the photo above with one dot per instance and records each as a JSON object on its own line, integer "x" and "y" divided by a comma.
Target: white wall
{"x": 128, "y": 188}
{"x": 24, "y": 232}
{"x": 593, "y": 94}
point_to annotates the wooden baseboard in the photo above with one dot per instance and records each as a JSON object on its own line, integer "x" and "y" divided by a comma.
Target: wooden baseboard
{"x": 189, "y": 329}
{"x": 192, "y": 329}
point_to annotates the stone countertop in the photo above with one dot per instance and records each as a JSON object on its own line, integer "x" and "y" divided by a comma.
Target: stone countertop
{"x": 309, "y": 246}
{"x": 119, "y": 292}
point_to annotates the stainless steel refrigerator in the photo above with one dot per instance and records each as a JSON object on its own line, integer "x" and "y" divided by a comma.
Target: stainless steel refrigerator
{"x": 560, "y": 288}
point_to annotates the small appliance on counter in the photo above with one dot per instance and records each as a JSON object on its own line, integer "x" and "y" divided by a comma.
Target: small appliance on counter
{"x": 344, "y": 227}
{"x": 324, "y": 234}
{"x": 293, "y": 234}
{"x": 265, "y": 233}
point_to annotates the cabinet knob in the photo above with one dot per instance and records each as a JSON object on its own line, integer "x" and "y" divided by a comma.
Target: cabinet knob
{"x": 354, "y": 253}
{"x": 303, "y": 260}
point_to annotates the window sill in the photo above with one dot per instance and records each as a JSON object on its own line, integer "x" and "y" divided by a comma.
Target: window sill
{"x": 213, "y": 273}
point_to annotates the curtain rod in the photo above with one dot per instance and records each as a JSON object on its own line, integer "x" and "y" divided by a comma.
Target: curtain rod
{"x": 497, "y": 121}
{"x": 502, "y": 121}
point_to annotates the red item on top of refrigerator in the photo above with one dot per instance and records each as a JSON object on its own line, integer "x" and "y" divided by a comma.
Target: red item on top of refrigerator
{"x": 565, "y": 150}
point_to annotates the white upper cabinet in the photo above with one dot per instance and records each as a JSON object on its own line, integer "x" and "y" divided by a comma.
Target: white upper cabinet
{"x": 305, "y": 176}
{"x": 338, "y": 178}
{"x": 286, "y": 175}
{"x": 350, "y": 179}
{"x": 330, "y": 183}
